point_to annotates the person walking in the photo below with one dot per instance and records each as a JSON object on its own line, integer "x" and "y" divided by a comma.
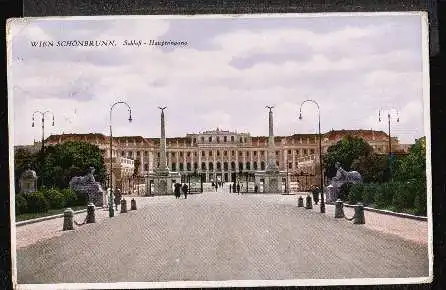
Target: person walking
{"x": 185, "y": 188}
{"x": 230, "y": 188}
{"x": 118, "y": 196}
{"x": 238, "y": 188}
{"x": 177, "y": 190}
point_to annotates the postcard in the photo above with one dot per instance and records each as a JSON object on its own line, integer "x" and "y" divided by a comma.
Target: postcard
{"x": 220, "y": 150}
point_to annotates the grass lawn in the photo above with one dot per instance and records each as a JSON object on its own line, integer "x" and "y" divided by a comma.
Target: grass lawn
{"x": 28, "y": 216}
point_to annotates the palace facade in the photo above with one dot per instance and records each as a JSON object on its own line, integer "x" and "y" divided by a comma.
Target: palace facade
{"x": 220, "y": 155}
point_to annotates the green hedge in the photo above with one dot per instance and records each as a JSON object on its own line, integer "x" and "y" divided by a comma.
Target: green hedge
{"x": 408, "y": 196}
{"x": 52, "y": 198}
{"x": 36, "y": 202}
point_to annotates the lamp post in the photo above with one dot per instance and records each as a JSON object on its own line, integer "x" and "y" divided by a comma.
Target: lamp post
{"x": 43, "y": 114}
{"x": 322, "y": 204}
{"x": 389, "y": 113}
{"x": 110, "y": 207}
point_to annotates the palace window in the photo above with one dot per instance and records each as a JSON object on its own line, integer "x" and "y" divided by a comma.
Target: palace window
{"x": 255, "y": 153}
{"x": 312, "y": 151}
{"x": 145, "y": 153}
{"x": 218, "y": 153}
{"x": 240, "y": 166}
{"x": 195, "y": 154}
{"x": 233, "y": 166}
{"x": 157, "y": 154}
{"x": 211, "y": 166}
{"x": 232, "y": 138}
{"x": 202, "y": 139}
{"x": 202, "y": 153}
{"x": 137, "y": 154}
{"x": 255, "y": 165}
{"x": 305, "y": 152}
{"x": 122, "y": 154}
{"x": 188, "y": 154}
{"x": 174, "y": 166}
{"x": 131, "y": 154}
{"x": 203, "y": 166}
{"x": 173, "y": 154}
{"x": 225, "y": 153}
{"x": 277, "y": 153}
{"x": 290, "y": 165}
{"x": 262, "y": 165}
{"x": 248, "y": 166}
{"x": 218, "y": 166}
{"x": 188, "y": 166}
{"x": 225, "y": 165}
{"x": 146, "y": 167}
{"x": 195, "y": 166}
{"x": 210, "y": 139}
{"x": 225, "y": 139}
{"x": 210, "y": 153}
{"x": 289, "y": 151}
{"x": 181, "y": 166}
{"x": 218, "y": 139}
{"x": 194, "y": 140}
{"x": 233, "y": 153}
{"x": 181, "y": 154}
{"x": 240, "y": 154}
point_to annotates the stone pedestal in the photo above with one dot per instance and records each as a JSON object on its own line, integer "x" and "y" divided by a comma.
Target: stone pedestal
{"x": 163, "y": 182}
{"x": 68, "y": 219}
{"x": 91, "y": 217}
{"x": 272, "y": 180}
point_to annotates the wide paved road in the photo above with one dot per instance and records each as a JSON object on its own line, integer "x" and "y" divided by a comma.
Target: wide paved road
{"x": 220, "y": 236}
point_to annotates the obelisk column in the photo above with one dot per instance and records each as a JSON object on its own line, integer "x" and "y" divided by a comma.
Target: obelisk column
{"x": 163, "y": 160}
{"x": 271, "y": 146}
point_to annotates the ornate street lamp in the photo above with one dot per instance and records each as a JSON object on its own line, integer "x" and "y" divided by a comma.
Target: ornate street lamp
{"x": 322, "y": 204}
{"x": 43, "y": 114}
{"x": 110, "y": 207}
{"x": 389, "y": 111}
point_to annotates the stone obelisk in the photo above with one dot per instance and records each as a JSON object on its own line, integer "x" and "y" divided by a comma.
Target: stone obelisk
{"x": 271, "y": 166}
{"x": 163, "y": 168}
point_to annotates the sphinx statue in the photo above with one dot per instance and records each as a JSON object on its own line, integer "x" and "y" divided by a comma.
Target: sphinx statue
{"x": 342, "y": 177}
{"x": 88, "y": 186}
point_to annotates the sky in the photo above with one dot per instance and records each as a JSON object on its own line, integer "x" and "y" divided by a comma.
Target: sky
{"x": 230, "y": 69}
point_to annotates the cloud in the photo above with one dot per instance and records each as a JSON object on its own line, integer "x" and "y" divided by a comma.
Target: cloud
{"x": 224, "y": 77}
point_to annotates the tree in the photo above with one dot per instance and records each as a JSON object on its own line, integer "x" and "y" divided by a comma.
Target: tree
{"x": 413, "y": 165}
{"x": 373, "y": 167}
{"x": 345, "y": 151}
{"x": 63, "y": 161}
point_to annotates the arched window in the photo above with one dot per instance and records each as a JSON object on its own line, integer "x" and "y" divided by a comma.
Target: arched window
{"x": 225, "y": 165}
{"x": 188, "y": 166}
{"x": 174, "y": 166}
{"x": 240, "y": 166}
{"x": 181, "y": 167}
{"x": 210, "y": 139}
{"x": 262, "y": 165}
{"x": 218, "y": 139}
{"x": 211, "y": 166}
{"x": 203, "y": 166}
{"x": 218, "y": 166}
{"x": 248, "y": 166}
{"x": 233, "y": 166}
{"x": 232, "y": 138}
{"x": 195, "y": 166}
{"x": 255, "y": 165}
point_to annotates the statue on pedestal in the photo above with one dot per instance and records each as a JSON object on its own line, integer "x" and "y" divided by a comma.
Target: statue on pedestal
{"x": 28, "y": 180}
{"x": 88, "y": 186}
{"x": 342, "y": 177}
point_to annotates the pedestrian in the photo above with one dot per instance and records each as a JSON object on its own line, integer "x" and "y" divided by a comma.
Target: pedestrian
{"x": 230, "y": 188}
{"x": 185, "y": 190}
{"x": 177, "y": 190}
{"x": 216, "y": 186}
{"x": 238, "y": 188}
{"x": 118, "y": 196}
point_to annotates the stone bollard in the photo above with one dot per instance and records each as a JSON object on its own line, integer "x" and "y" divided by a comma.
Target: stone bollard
{"x": 91, "y": 218}
{"x": 123, "y": 206}
{"x": 68, "y": 219}
{"x": 300, "y": 202}
{"x": 359, "y": 214}
{"x": 339, "y": 211}
{"x": 133, "y": 204}
{"x": 308, "y": 204}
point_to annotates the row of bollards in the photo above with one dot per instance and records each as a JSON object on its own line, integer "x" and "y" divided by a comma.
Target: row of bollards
{"x": 91, "y": 217}
{"x": 358, "y": 217}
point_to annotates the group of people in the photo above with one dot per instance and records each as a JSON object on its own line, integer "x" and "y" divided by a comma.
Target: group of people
{"x": 178, "y": 188}
{"x": 117, "y": 196}
{"x": 234, "y": 188}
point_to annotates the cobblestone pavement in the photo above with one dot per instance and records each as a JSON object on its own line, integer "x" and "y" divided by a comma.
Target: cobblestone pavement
{"x": 220, "y": 236}
{"x": 32, "y": 233}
